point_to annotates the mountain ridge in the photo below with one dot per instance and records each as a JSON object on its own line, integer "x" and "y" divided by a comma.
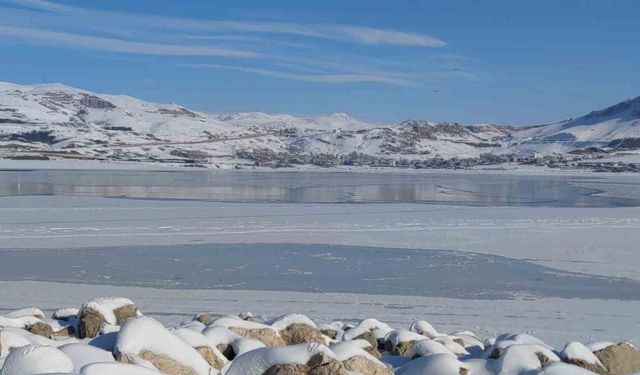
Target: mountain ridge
{"x": 55, "y": 118}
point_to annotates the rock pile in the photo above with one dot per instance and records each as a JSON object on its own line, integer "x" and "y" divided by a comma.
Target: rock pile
{"x": 110, "y": 336}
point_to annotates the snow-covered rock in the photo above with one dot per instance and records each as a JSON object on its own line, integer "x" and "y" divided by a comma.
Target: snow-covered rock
{"x": 113, "y": 311}
{"x": 34, "y": 359}
{"x": 424, "y": 328}
{"x": 311, "y": 359}
{"x": 222, "y": 338}
{"x": 357, "y": 360}
{"x": 453, "y": 343}
{"x": 203, "y": 345}
{"x": 505, "y": 340}
{"x": 429, "y": 347}
{"x": 66, "y": 313}
{"x": 297, "y": 329}
{"x": 144, "y": 341}
{"x": 10, "y": 340}
{"x": 116, "y": 369}
{"x": 622, "y": 358}
{"x": 241, "y": 346}
{"x": 204, "y": 318}
{"x": 577, "y": 354}
{"x": 332, "y": 330}
{"x": 469, "y": 340}
{"x": 82, "y": 354}
{"x": 518, "y": 358}
{"x": 401, "y": 342}
{"x": 559, "y": 368}
{"x": 30, "y": 311}
{"x": 436, "y": 364}
{"x": 252, "y": 330}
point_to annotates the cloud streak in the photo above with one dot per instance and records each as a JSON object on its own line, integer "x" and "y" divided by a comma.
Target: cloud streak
{"x": 317, "y": 77}
{"x": 336, "y": 32}
{"x": 309, "y": 52}
{"x": 118, "y": 45}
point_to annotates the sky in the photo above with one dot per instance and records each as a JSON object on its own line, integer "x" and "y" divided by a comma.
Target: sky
{"x": 495, "y": 61}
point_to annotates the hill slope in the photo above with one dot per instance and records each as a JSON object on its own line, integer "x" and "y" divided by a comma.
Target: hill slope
{"x": 606, "y": 127}
{"x": 61, "y": 121}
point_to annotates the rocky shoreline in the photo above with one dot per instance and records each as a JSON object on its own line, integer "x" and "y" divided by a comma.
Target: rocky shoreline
{"x": 112, "y": 336}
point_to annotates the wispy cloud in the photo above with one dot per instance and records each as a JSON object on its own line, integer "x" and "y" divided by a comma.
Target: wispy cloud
{"x": 320, "y": 78}
{"x": 311, "y": 52}
{"x": 117, "y": 45}
{"x": 344, "y": 33}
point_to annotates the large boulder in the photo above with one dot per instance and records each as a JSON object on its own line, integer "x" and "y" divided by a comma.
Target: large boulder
{"x": 203, "y": 345}
{"x": 520, "y": 358}
{"x": 357, "y": 360}
{"x": 359, "y": 333}
{"x": 33, "y": 359}
{"x": 429, "y": 347}
{"x": 144, "y": 341}
{"x": 248, "y": 316}
{"x": 377, "y": 332}
{"x": 204, "y": 318}
{"x": 577, "y": 354}
{"x": 318, "y": 364}
{"x": 619, "y": 359}
{"x": 241, "y": 346}
{"x": 470, "y": 342}
{"x": 437, "y": 364}
{"x": 251, "y": 330}
{"x": 424, "y": 328}
{"x": 267, "y": 336}
{"x": 113, "y": 311}
{"x": 298, "y": 333}
{"x": 10, "y": 340}
{"x": 366, "y": 346}
{"x": 30, "y": 311}
{"x": 40, "y": 329}
{"x": 66, "y": 314}
{"x": 561, "y": 368}
{"x": 222, "y": 338}
{"x": 401, "y": 342}
{"x": 297, "y": 329}
{"x": 83, "y": 354}
{"x": 453, "y": 343}
{"x": 502, "y": 342}
{"x": 116, "y": 369}
{"x": 333, "y": 331}
{"x": 303, "y": 359}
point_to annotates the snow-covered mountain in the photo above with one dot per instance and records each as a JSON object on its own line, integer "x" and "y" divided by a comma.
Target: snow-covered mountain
{"x": 613, "y": 127}
{"x": 53, "y": 120}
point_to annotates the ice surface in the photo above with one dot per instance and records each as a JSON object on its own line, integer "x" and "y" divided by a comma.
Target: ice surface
{"x": 310, "y": 268}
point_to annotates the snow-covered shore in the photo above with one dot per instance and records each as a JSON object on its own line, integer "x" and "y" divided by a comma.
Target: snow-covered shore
{"x": 499, "y": 169}
{"x": 554, "y": 320}
{"x": 176, "y": 333}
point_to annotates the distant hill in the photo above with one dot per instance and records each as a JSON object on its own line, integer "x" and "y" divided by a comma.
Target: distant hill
{"x": 62, "y": 120}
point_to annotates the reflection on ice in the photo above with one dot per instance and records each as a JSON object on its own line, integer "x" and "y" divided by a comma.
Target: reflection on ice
{"x": 317, "y": 187}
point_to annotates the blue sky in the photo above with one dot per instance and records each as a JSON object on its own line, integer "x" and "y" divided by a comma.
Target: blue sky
{"x": 507, "y": 62}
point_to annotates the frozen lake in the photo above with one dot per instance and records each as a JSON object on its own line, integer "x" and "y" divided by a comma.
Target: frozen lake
{"x": 312, "y": 268}
{"x": 471, "y": 189}
{"x": 553, "y": 255}
{"x": 519, "y": 235}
